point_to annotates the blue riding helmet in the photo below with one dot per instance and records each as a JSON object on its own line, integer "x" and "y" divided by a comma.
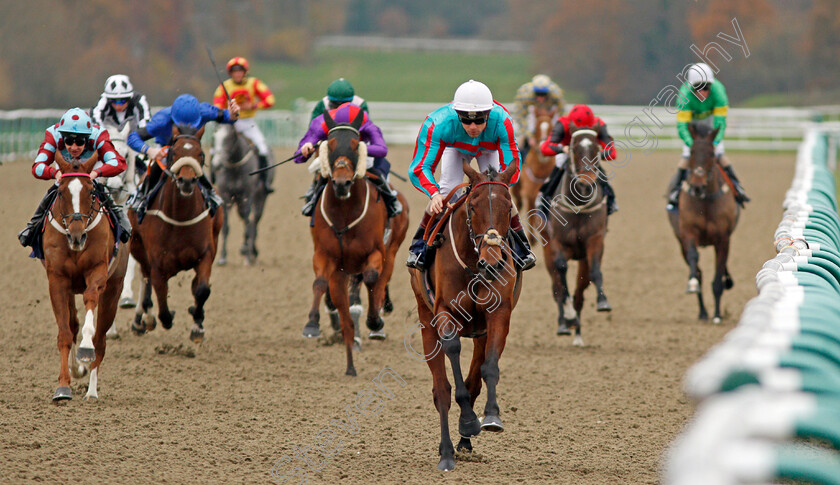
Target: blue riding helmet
{"x": 75, "y": 120}
{"x": 186, "y": 111}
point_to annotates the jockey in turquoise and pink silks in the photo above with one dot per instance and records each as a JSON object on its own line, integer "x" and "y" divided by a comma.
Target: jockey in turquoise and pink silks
{"x": 370, "y": 134}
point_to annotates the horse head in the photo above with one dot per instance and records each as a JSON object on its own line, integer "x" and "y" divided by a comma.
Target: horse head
{"x": 186, "y": 160}
{"x": 75, "y": 203}
{"x": 488, "y": 209}
{"x": 701, "y": 161}
{"x": 343, "y": 155}
{"x": 584, "y": 150}
{"x": 542, "y": 129}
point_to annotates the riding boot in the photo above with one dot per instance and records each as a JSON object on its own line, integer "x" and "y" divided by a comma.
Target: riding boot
{"x": 213, "y": 199}
{"x": 740, "y": 195}
{"x": 547, "y": 191}
{"x": 262, "y": 161}
{"x": 388, "y": 196}
{"x": 417, "y": 249}
{"x": 524, "y": 257}
{"x": 674, "y": 188}
{"x": 27, "y": 235}
{"x": 117, "y": 212}
{"x": 311, "y": 195}
{"x": 612, "y": 205}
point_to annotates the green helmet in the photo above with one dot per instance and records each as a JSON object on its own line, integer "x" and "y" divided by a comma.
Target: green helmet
{"x": 340, "y": 91}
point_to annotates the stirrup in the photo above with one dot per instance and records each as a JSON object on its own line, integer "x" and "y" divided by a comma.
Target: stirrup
{"x": 415, "y": 261}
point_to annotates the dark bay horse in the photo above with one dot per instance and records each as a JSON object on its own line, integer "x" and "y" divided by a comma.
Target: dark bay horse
{"x": 536, "y": 167}
{"x": 707, "y": 216}
{"x": 79, "y": 258}
{"x": 469, "y": 290}
{"x": 177, "y": 234}
{"x": 578, "y": 224}
{"x": 349, "y": 229}
{"x": 234, "y": 157}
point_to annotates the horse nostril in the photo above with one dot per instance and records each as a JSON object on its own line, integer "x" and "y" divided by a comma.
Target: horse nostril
{"x": 482, "y": 263}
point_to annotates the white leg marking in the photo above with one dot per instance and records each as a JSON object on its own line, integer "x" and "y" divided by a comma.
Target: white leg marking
{"x": 693, "y": 286}
{"x": 92, "y": 391}
{"x": 569, "y": 312}
{"x": 129, "y": 278}
{"x": 87, "y": 331}
{"x": 578, "y": 341}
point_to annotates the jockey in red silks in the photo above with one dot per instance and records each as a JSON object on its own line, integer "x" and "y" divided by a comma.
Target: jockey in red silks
{"x": 76, "y": 137}
{"x": 370, "y": 134}
{"x": 558, "y": 146}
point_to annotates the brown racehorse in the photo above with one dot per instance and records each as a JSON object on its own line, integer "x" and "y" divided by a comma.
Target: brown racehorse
{"x": 578, "y": 216}
{"x": 469, "y": 290}
{"x": 177, "y": 234}
{"x": 79, "y": 258}
{"x": 349, "y": 229}
{"x": 707, "y": 216}
{"x": 537, "y": 167}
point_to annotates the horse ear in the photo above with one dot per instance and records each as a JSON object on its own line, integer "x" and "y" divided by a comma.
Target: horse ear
{"x": 714, "y": 133}
{"x": 572, "y": 127}
{"x": 473, "y": 175}
{"x": 200, "y": 132}
{"x": 507, "y": 175}
{"x": 63, "y": 165}
{"x": 175, "y": 131}
{"x": 329, "y": 120}
{"x": 358, "y": 120}
{"x": 87, "y": 165}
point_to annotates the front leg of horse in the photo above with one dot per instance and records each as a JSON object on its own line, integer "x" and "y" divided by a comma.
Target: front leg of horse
{"x": 59, "y": 294}
{"x": 473, "y": 382}
{"x": 594, "y": 256}
{"x": 338, "y": 293}
{"x": 225, "y": 231}
{"x": 322, "y": 267}
{"x": 144, "y": 320}
{"x": 692, "y": 257}
{"x": 441, "y": 389}
{"x": 567, "y": 317}
{"x": 719, "y": 283}
{"x": 498, "y": 324}
{"x": 93, "y": 294}
{"x": 201, "y": 292}
{"x": 105, "y": 317}
{"x": 127, "y": 296}
{"x": 468, "y": 425}
{"x": 160, "y": 283}
{"x": 248, "y": 250}
{"x": 375, "y": 283}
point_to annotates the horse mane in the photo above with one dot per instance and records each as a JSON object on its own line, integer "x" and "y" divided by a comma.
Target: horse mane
{"x": 702, "y": 129}
{"x": 492, "y": 174}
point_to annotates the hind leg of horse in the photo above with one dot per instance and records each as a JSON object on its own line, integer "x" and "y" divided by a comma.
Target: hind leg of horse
{"x": 468, "y": 425}
{"x": 59, "y": 293}
{"x": 473, "y": 382}
{"x": 249, "y": 233}
{"x": 77, "y": 369}
{"x": 498, "y": 324}
{"x": 387, "y": 305}
{"x": 201, "y": 292}
{"x": 718, "y": 284}
{"x": 582, "y": 283}
{"x": 104, "y": 318}
{"x": 594, "y": 253}
{"x": 225, "y": 231}
{"x": 356, "y": 305}
{"x": 338, "y": 292}
{"x": 375, "y": 281}
{"x": 566, "y": 316}
{"x": 127, "y": 296}
{"x": 322, "y": 267}
{"x": 160, "y": 283}
{"x": 144, "y": 320}
{"x": 92, "y": 297}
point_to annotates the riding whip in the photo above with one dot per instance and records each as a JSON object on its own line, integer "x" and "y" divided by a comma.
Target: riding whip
{"x": 259, "y": 170}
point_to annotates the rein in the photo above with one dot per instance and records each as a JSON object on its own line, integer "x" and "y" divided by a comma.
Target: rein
{"x": 76, "y": 216}
{"x": 491, "y": 236}
{"x": 169, "y": 158}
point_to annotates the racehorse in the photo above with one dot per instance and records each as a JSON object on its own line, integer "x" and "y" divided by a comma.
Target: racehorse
{"x": 469, "y": 290}
{"x": 177, "y": 234}
{"x": 578, "y": 214}
{"x": 80, "y": 257}
{"x": 537, "y": 167}
{"x": 234, "y": 157}
{"x": 707, "y": 216}
{"x": 349, "y": 231}
{"x": 120, "y": 187}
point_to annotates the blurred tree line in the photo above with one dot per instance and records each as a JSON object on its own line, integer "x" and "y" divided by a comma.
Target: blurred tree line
{"x": 55, "y": 54}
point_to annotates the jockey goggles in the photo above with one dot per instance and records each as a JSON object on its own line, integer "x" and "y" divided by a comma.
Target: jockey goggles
{"x": 701, "y": 86}
{"x": 79, "y": 140}
{"x": 472, "y": 118}
{"x": 119, "y": 100}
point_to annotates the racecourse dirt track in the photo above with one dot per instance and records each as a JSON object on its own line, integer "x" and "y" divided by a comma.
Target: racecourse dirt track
{"x": 255, "y": 394}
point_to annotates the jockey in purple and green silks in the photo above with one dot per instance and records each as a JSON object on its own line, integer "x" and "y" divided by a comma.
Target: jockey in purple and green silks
{"x": 702, "y": 100}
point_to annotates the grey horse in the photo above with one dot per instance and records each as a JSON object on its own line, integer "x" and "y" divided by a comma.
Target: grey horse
{"x": 234, "y": 156}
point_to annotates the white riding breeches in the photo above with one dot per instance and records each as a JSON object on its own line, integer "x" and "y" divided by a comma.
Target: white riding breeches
{"x": 560, "y": 159}
{"x": 249, "y": 128}
{"x": 452, "y": 172}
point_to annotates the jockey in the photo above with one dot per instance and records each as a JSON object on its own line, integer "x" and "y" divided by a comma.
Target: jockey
{"x": 376, "y": 149}
{"x": 540, "y": 91}
{"x": 339, "y": 92}
{"x": 558, "y": 146}
{"x": 250, "y": 94}
{"x": 189, "y": 116}
{"x": 702, "y": 100}
{"x": 77, "y": 138}
{"x": 120, "y": 104}
{"x": 472, "y": 125}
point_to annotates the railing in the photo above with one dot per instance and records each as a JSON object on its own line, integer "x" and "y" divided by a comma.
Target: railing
{"x": 21, "y": 131}
{"x": 775, "y": 379}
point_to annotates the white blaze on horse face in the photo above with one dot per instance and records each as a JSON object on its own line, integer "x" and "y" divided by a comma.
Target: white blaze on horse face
{"x": 87, "y": 331}
{"x": 586, "y": 143}
{"x": 75, "y": 188}
{"x": 188, "y": 146}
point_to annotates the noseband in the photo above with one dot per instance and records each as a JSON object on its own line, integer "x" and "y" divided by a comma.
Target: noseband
{"x": 491, "y": 236}
{"x": 702, "y": 191}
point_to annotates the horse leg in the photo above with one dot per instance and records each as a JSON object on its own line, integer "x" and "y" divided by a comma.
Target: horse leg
{"x": 473, "y": 383}
{"x": 160, "y": 283}
{"x": 338, "y": 292}
{"x": 257, "y": 208}
{"x": 441, "y": 389}
{"x": 322, "y": 267}
{"x": 95, "y": 281}
{"x": 692, "y": 257}
{"x": 567, "y": 316}
{"x": 582, "y": 283}
{"x": 225, "y": 231}
{"x": 77, "y": 369}
{"x": 594, "y": 253}
{"x": 335, "y": 322}
{"x": 375, "y": 276}
{"x": 387, "y": 305}
{"x": 144, "y": 321}
{"x": 107, "y": 311}
{"x": 498, "y": 324}
{"x": 127, "y": 296}
{"x": 59, "y": 293}
{"x": 201, "y": 292}
{"x": 356, "y": 304}
{"x": 718, "y": 284}
{"x": 247, "y": 237}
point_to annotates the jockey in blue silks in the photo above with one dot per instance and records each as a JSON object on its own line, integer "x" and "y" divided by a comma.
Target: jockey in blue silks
{"x": 473, "y": 125}
{"x": 189, "y": 115}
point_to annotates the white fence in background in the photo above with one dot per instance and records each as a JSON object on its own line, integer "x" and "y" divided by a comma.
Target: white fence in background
{"x": 772, "y": 129}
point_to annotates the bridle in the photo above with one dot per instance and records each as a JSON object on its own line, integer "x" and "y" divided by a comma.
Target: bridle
{"x": 572, "y": 157}
{"x": 491, "y": 236}
{"x": 92, "y": 220}
{"x": 701, "y": 191}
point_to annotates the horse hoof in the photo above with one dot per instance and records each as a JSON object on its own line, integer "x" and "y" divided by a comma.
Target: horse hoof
{"x": 578, "y": 341}
{"x": 387, "y": 307}
{"x": 357, "y": 344}
{"x": 127, "y": 302}
{"x": 78, "y": 371}
{"x": 693, "y": 286}
{"x": 197, "y": 335}
{"x": 604, "y": 306}
{"x": 377, "y": 334}
{"x": 137, "y": 330}
{"x": 112, "y": 333}
{"x": 350, "y": 372}
{"x": 63, "y": 393}
{"x": 166, "y": 323}
{"x": 149, "y": 322}
{"x": 492, "y": 423}
{"x": 469, "y": 429}
{"x": 85, "y": 355}
{"x": 221, "y": 262}
{"x": 728, "y": 283}
{"x": 464, "y": 446}
{"x": 335, "y": 320}
{"x": 312, "y": 330}
{"x": 716, "y": 320}
{"x": 563, "y": 329}
{"x": 446, "y": 464}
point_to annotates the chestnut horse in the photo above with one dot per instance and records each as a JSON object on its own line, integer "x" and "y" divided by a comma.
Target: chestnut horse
{"x": 349, "y": 230}
{"x": 469, "y": 290}
{"x": 177, "y": 234}
{"x": 79, "y": 257}
{"x": 536, "y": 167}
{"x": 578, "y": 214}
{"x": 707, "y": 216}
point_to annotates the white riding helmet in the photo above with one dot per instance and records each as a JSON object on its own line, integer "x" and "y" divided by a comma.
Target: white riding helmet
{"x": 700, "y": 73}
{"x": 118, "y": 86}
{"x": 541, "y": 83}
{"x": 473, "y": 96}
